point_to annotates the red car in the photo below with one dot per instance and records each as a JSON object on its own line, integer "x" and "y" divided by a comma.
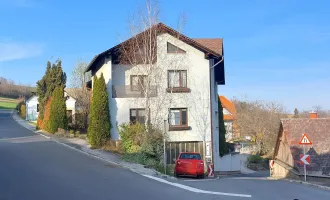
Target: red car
{"x": 189, "y": 164}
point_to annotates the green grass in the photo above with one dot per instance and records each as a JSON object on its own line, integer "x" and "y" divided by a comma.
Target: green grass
{"x": 7, "y": 105}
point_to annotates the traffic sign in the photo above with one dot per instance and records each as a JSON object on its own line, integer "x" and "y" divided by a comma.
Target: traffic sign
{"x": 271, "y": 164}
{"x": 305, "y": 159}
{"x": 305, "y": 140}
{"x": 211, "y": 171}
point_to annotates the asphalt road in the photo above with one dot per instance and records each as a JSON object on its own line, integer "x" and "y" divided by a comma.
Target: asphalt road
{"x": 34, "y": 167}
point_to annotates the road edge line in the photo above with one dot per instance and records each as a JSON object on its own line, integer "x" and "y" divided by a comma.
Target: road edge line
{"x": 196, "y": 190}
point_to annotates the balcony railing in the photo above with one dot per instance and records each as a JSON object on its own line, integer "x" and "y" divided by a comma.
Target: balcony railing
{"x": 127, "y": 91}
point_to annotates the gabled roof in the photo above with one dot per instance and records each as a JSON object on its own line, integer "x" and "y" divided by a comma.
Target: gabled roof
{"x": 318, "y": 131}
{"x": 214, "y": 44}
{"x": 206, "y": 46}
{"x": 228, "y": 105}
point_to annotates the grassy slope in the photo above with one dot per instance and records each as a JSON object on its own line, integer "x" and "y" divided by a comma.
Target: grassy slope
{"x": 6, "y": 103}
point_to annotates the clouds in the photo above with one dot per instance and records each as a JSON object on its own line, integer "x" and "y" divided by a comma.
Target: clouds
{"x": 10, "y": 51}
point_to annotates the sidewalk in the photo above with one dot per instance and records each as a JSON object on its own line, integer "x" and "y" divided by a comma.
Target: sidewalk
{"x": 82, "y": 146}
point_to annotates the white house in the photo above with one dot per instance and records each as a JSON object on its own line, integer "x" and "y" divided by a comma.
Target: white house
{"x": 183, "y": 90}
{"x": 229, "y": 116}
{"x": 32, "y": 107}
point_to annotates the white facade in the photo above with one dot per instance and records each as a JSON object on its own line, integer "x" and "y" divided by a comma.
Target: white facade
{"x": 32, "y": 110}
{"x": 197, "y": 101}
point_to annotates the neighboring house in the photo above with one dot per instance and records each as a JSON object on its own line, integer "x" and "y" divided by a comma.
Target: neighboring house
{"x": 190, "y": 116}
{"x": 229, "y": 116}
{"x": 288, "y": 150}
{"x": 32, "y": 107}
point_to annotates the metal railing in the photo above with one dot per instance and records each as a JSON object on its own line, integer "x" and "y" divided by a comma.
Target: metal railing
{"x": 128, "y": 91}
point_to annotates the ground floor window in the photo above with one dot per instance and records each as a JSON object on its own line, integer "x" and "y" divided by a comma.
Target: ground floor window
{"x": 69, "y": 115}
{"x": 137, "y": 115}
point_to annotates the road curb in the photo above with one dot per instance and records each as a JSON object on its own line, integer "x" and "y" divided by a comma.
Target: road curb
{"x": 301, "y": 182}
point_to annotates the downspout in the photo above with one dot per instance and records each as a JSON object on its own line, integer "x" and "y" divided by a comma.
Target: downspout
{"x": 211, "y": 109}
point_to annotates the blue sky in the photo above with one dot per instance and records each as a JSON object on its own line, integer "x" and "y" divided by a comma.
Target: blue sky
{"x": 274, "y": 50}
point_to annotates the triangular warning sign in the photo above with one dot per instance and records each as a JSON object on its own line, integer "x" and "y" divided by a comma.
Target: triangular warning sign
{"x": 305, "y": 140}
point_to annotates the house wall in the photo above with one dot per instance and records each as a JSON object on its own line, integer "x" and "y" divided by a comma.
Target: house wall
{"x": 31, "y": 109}
{"x": 229, "y": 130}
{"x": 284, "y": 152}
{"x": 197, "y": 101}
{"x": 71, "y": 105}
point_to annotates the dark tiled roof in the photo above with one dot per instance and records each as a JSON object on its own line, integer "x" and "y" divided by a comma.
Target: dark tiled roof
{"x": 318, "y": 131}
{"x": 210, "y": 49}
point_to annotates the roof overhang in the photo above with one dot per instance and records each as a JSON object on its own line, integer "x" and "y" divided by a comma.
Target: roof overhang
{"x": 162, "y": 29}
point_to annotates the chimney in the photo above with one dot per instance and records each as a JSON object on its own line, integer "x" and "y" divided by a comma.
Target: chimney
{"x": 313, "y": 115}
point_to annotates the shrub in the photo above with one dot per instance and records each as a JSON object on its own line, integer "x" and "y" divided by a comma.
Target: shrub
{"x": 223, "y": 148}
{"x": 99, "y": 127}
{"x": 43, "y": 123}
{"x": 255, "y": 159}
{"x": 58, "y": 117}
{"x": 141, "y": 146}
{"x": 23, "y": 111}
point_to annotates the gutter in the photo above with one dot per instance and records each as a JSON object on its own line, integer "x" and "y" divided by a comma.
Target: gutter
{"x": 211, "y": 109}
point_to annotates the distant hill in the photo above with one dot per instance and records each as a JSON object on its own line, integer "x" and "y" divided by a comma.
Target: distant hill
{"x": 9, "y": 89}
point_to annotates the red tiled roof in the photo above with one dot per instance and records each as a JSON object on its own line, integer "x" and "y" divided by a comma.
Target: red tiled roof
{"x": 214, "y": 44}
{"x": 229, "y": 106}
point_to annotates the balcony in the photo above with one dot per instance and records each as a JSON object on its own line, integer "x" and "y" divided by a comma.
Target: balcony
{"x": 127, "y": 91}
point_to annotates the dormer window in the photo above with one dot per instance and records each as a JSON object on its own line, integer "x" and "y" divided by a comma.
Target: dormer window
{"x": 174, "y": 49}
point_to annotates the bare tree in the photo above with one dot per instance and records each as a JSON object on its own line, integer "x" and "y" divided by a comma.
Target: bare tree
{"x": 261, "y": 121}
{"x": 9, "y": 88}
{"x": 80, "y": 92}
{"x": 144, "y": 54}
{"x": 322, "y": 113}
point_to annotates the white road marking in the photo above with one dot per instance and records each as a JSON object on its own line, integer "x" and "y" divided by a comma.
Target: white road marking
{"x": 42, "y": 134}
{"x": 191, "y": 189}
{"x": 15, "y": 138}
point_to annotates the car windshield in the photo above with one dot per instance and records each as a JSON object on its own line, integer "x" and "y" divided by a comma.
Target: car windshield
{"x": 192, "y": 156}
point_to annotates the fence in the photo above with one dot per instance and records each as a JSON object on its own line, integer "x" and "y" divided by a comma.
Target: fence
{"x": 173, "y": 149}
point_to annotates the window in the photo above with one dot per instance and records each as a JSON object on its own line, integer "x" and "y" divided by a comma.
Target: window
{"x": 178, "y": 117}
{"x": 137, "y": 115}
{"x": 138, "y": 82}
{"x": 190, "y": 156}
{"x": 174, "y": 49}
{"x": 69, "y": 115}
{"x": 177, "y": 78}
{"x": 37, "y": 107}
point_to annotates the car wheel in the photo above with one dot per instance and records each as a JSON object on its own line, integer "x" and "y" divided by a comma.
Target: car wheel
{"x": 201, "y": 176}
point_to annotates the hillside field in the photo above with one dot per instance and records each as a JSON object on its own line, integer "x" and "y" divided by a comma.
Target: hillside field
{"x": 7, "y": 103}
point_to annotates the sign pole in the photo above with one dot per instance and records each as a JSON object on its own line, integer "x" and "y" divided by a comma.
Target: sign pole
{"x": 304, "y": 163}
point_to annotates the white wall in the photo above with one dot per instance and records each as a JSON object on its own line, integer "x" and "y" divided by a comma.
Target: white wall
{"x": 197, "y": 101}
{"x": 229, "y": 130}
{"x": 31, "y": 108}
{"x": 230, "y": 162}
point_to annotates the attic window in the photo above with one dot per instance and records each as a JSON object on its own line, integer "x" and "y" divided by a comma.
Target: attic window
{"x": 174, "y": 49}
